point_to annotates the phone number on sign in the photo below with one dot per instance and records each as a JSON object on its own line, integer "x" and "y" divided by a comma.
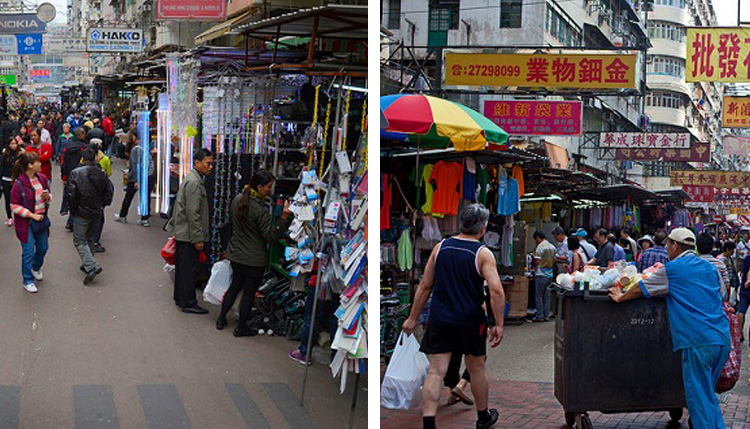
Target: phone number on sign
{"x": 487, "y": 70}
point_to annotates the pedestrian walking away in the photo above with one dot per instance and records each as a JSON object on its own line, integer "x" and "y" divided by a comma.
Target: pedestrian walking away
{"x": 544, "y": 259}
{"x": 190, "y": 226}
{"x": 454, "y": 276}
{"x": 134, "y": 169}
{"x": 253, "y": 231}
{"x": 697, "y": 322}
{"x": 89, "y": 190}
{"x": 29, "y": 201}
{"x": 7, "y": 161}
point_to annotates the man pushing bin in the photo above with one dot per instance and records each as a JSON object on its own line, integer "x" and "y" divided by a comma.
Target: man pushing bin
{"x": 697, "y": 322}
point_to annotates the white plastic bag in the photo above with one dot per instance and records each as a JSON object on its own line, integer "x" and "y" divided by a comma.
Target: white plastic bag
{"x": 218, "y": 284}
{"x": 402, "y": 384}
{"x": 733, "y": 297}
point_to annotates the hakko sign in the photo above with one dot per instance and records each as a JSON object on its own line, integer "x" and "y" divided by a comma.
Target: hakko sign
{"x": 20, "y": 23}
{"x": 594, "y": 71}
{"x": 114, "y": 40}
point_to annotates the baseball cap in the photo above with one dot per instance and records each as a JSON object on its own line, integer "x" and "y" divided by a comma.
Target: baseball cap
{"x": 682, "y": 235}
{"x": 581, "y": 233}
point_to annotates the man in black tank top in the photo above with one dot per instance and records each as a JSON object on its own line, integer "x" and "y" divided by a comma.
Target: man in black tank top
{"x": 455, "y": 275}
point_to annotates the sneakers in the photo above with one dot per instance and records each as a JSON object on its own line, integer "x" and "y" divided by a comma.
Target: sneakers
{"x": 297, "y": 356}
{"x": 123, "y": 219}
{"x": 63, "y": 214}
{"x": 69, "y": 227}
{"x": 486, "y": 424}
{"x": 31, "y": 287}
{"x": 98, "y": 248}
{"x": 92, "y": 275}
{"x": 37, "y": 275}
{"x": 9, "y": 222}
{"x": 146, "y": 223}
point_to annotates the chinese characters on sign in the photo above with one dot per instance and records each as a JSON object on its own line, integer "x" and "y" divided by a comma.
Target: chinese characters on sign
{"x": 39, "y": 73}
{"x": 699, "y": 194}
{"x": 736, "y": 112}
{"x": 547, "y": 70}
{"x": 736, "y": 145}
{"x": 58, "y": 46}
{"x": 551, "y": 118}
{"x": 717, "y": 179}
{"x": 718, "y": 55}
{"x": 199, "y": 10}
{"x": 699, "y": 152}
{"x": 645, "y": 140}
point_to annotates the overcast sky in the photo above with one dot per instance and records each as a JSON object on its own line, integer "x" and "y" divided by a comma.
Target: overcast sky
{"x": 726, "y": 12}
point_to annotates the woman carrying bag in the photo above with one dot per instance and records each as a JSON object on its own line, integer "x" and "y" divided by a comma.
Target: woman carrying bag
{"x": 252, "y": 233}
{"x": 29, "y": 200}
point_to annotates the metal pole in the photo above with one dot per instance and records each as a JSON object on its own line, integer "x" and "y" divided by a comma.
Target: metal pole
{"x": 354, "y": 400}
{"x": 317, "y": 282}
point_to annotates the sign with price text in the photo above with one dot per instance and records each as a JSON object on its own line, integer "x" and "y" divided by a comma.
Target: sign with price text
{"x": 541, "y": 70}
{"x": 718, "y": 55}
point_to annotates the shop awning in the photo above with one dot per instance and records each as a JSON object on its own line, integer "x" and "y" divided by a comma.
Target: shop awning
{"x": 333, "y": 21}
{"x": 615, "y": 193}
{"x": 225, "y": 27}
{"x": 489, "y": 157}
{"x": 672, "y": 195}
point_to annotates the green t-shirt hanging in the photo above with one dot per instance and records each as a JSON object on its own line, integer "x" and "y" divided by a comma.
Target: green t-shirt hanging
{"x": 483, "y": 179}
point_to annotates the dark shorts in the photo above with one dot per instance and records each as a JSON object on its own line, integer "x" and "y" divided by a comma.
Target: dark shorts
{"x": 466, "y": 340}
{"x": 744, "y": 300}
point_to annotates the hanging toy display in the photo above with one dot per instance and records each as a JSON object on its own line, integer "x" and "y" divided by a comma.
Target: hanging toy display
{"x": 163, "y": 142}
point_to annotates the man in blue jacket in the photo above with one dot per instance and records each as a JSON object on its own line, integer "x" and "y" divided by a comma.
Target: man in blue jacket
{"x": 697, "y": 322}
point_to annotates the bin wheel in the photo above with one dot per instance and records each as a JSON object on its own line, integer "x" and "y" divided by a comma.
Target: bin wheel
{"x": 676, "y": 414}
{"x": 570, "y": 419}
{"x": 583, "y": 421}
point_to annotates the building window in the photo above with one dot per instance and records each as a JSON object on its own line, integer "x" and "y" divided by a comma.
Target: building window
{"x": 673, "y": 3}
{"x": 666, "y": 65}
{"x": 394, "y": 14}
{"x": 665, "y": 30}
{"x": 511, "y": 13}
{"x": 561, "y": 29}
{"x": 445, "y": 10}
{"x": 660, "y": 169}
{"x": 669, "y": 100}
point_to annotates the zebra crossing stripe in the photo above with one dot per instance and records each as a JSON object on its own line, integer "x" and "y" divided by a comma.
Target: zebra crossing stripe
{"x": 248, "y": 408}
{"x": 162, "y": 407}
{"x": 10, "y": 397}
{"x": 94, "y": 407}
{"x": 289, "y": 406}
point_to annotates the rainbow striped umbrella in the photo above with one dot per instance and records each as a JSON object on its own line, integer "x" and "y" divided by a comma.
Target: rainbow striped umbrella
{"x": 436, "y": 123}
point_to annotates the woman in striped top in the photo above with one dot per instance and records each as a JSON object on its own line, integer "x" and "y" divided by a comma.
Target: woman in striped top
{"x": 34, "y": 186}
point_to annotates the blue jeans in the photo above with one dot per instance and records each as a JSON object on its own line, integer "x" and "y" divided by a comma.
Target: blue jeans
{"x": 541, "y": 295}
{"x": 701, "y": 368}
{"x": 32, "y": 256}
{"x": 325, "y": 309}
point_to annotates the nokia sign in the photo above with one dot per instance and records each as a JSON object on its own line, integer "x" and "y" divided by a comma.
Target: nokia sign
{"x": 20, "y": 23}
{"x": 114, "y": 40}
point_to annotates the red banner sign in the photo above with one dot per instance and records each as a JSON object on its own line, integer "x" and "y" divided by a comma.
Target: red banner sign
{"x": 699, "y": 194}
{"x": 547, "y": 118}
{"x": 39, "y": 73}
{"x": 699, "y": 152}
{"x": 198, "y": 10}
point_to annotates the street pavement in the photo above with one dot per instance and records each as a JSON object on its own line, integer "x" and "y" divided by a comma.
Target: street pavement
{"x": 119, "y": 354}
{"x": 521, "y": 373}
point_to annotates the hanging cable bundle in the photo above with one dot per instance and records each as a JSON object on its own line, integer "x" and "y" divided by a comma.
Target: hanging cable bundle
{"x": 346, "y": 118}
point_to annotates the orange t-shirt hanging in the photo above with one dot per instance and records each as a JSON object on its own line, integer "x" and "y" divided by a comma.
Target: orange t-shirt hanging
{"x": 446, "y": 177}
{"x": 517, "y": 174}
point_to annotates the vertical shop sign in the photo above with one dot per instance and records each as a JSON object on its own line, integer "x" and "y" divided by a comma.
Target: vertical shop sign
{"x": 595, "y": 71}
{"x": 547, "y": 118}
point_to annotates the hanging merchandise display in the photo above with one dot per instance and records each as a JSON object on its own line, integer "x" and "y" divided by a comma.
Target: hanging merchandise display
{"x": 144, "y": 137}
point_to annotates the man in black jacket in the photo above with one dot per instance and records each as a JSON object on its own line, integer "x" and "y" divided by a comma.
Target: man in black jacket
{"x": 89, "y": 190}
{"x": 71, "y": 158}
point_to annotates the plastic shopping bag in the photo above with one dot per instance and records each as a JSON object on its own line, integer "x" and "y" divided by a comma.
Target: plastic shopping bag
{"x": 402, "y": 385}
{"x": 218, "y": 283}
{"x": 169, "y": 250}
{"x": 730, "y": 374}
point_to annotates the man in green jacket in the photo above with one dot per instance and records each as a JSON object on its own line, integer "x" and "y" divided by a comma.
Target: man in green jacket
{"x": 190, "y": 226}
